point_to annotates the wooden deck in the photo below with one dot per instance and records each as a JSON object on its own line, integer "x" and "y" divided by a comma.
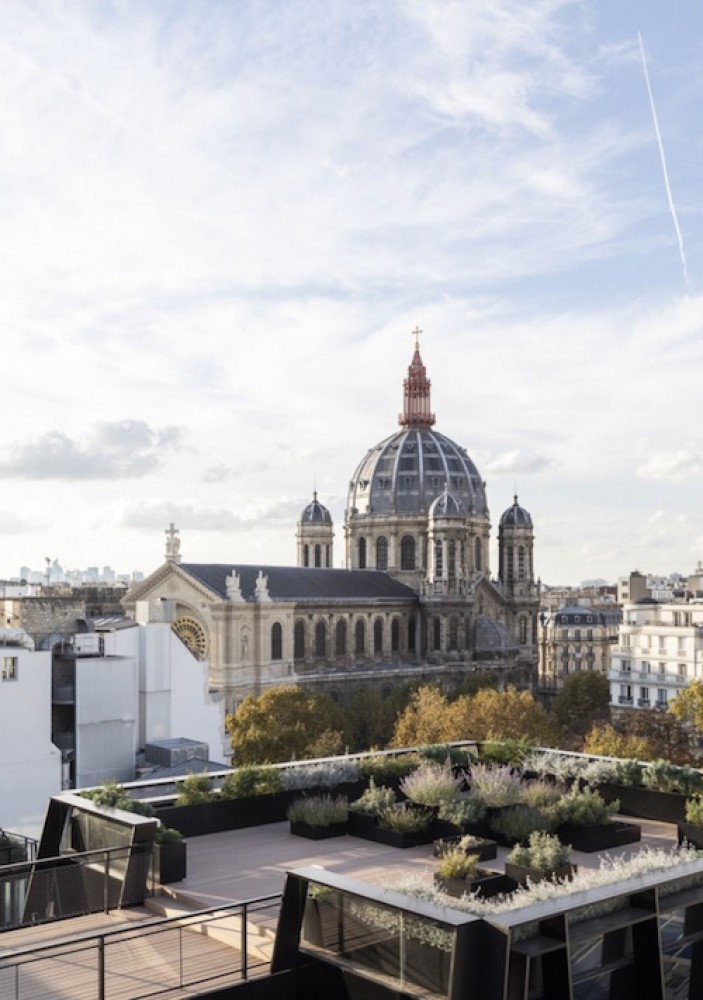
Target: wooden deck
{"x": 223, "y": 868}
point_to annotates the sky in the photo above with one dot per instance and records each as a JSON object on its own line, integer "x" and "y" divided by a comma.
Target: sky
{"x": 221, "y": 221}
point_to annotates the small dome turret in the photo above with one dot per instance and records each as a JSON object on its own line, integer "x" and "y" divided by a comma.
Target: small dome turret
{"x": 516, "y": 517}
{"x": 315, "y": 512}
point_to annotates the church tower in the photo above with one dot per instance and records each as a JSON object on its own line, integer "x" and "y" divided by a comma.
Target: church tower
{"x": 516, "y": 570}
{"x": 315, "y": 536}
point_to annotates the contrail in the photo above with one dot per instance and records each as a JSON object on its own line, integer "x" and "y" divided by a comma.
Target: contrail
{"x": 662, "y": 157}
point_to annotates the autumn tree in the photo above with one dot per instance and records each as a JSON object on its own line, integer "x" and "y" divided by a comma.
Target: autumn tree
{"x": 285, "y": 723}
{"x": 687, "y": 706}
{"x": 645, "y": 735}
{"x": 497, "y": 715}
{"x": 607, "y": 741}
{"x": 425, "y": 720}
{"x": 583, "y": 701}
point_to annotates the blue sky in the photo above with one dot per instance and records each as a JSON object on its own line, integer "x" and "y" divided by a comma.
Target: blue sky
{"x": 219, "y": 223}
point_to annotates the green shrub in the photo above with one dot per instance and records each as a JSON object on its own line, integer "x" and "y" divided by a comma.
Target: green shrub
{"x": 694, "y": 810}
{"x": 431, "y": 784}
{"x": 251, "y": 780}
{"x": 543, "y": 851}
{"x": 374, "y": 799}
{"x": 629, "y": 772}
{"x": 540, "y": 794}
{"x": 663, "y": 776}
{"x": 404, "y": 818}
{"x": 115, "y": 796}
{"x": 386, "y": 768}
{"x": 515, "y": 823}
{"x": 319, "y": 810}
{"x": 456, "y": 863}
{"x": 465, "y": 810}
{"x": 195, "y": 790}
{"x": 584, "y": 808}
{"x": 506, "y": 751}
{"x": 167, "y": 835}
{"x": 442, "y": 753}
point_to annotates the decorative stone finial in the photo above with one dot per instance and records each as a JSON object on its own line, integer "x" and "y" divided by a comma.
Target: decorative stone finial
{"x": 233, "y": 585}
{"x": 262, "y": 587}
{"x": 173, "y": 544}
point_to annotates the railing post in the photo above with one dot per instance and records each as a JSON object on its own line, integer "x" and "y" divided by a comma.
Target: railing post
{"x": 245, "y": 969}
{"x": 101, "y": 967}
{"x": 106, "y": 879}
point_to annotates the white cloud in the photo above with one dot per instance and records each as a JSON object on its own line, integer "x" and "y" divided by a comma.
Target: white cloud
{"x": 674, "y": 467}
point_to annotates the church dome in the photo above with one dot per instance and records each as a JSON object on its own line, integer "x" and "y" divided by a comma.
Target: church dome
{"x": 407, "y": 471}
{"x": 516, "y": 517}
{"x": 315, "y": 513}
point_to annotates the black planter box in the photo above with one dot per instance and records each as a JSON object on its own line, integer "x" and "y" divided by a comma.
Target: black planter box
{"x": 396, "y": 838}
{"x": 485, "y": 849}
{"x": 300, "y": 829}
{"x": 226, "y": 814}
{"x": 485, "y": 884}
{"x": 170, "y": 862}
{"x": 692, "y": 832}
{"x": 524, "y": 873}
{"x": 362, "y": 825}
{"x": 635, "y": 800}
{"x": 600, "y": 837}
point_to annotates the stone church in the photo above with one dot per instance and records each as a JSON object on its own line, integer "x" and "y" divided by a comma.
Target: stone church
{"x": 417, "y": 601}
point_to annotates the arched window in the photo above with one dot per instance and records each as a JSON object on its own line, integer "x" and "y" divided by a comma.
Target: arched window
{"x": 276, "y": 641}
{"x": 451, "y": 559}
{"x": 411, "y": 635}
{"x": 438, "y": 558}
{"x": 437, "y": 634}
{"x": 320, "y": 639}
{"x": 340, "y": 638}
{"x": 523, "y": 631}
{"x": 477, "y": 553}
{"x": 395, "y": 635}
{"x": 318, "y": 556}
{"x": 511, "y": 564}
{"x": 362, "y": 553}
{"x": 521, "y": 563}
{"x": 382, "y": 553}
{"x": 299, "y": 641}
{"x": 453, "y": 634}
{"x": 407, "y": 552}
{"x": 306, "y": 555}
{"x": 360, "y": 638}
{"x": 378, "y": 635}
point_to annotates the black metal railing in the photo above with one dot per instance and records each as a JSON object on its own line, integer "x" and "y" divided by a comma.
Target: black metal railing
{"x": 218, "y": 946}
{"x": 16, "y": 847}
{"x": 75, "y": 884}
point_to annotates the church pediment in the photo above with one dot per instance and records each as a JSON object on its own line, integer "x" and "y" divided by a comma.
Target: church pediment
{"x": 171, "y": 583}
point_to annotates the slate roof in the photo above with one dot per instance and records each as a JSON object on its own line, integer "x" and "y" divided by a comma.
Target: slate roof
{"x": 297, "y": 583}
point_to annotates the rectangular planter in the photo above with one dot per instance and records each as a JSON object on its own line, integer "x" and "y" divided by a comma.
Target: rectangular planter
{"x": 300, "y": 829}
{"x": 599, "y": 837}
{"x": 647, "y": 803}
{"x": 485, "y": 884}
{"x": 523, "y": 873}
{"x": 170, "y": 862}
{"x": 485, "y": 849}
{"x": 395, "y": 838}
{"x": 691, "y": 832}
{"x": 226, "y": 814}
{"x": 362, "y": 825}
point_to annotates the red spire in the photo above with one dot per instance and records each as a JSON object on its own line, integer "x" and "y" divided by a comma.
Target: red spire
{"x": 416, "y": 392}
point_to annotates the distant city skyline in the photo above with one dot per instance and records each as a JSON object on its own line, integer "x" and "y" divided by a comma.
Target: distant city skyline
{"x": 221, "y": 222}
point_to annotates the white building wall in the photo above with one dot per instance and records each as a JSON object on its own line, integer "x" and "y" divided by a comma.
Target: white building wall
{"x": 30, "y": 765}
{"x": 107, "y": 699}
